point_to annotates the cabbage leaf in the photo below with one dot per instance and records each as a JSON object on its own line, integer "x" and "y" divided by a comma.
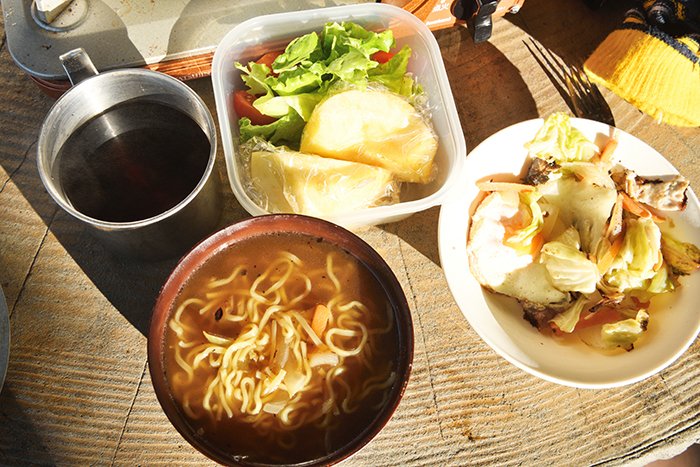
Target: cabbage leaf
{"x": 569, "y": 269}
{"x": 567, "y": 320}
{"x": 683, "y": 257}
{"x": 636, "y": 263}
{"x": 626, "y": 332}
{"x": 557, "y": 140}
{"x": 584, "y": 202}
{"x": 530, "y": 220}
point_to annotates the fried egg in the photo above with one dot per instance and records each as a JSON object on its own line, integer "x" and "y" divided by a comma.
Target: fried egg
{"x": 501, "y": 268}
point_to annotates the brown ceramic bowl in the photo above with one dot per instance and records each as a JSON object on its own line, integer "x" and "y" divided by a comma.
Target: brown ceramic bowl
{"x": 315, "y": 229}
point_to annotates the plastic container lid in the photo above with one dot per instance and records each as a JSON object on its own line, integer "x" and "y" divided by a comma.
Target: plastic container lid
{"x": 252, "y": 38}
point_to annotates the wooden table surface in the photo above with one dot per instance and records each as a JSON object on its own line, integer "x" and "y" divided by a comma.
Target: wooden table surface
{"x": 78, "y": 390}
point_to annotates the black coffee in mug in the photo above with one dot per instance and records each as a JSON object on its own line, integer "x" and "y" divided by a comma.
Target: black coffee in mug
{"x": 131, "y": 154}
{"x": 132, "y": 162}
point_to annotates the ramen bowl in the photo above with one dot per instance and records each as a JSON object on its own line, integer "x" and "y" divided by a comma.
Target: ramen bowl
{"x": 280, "y": 340}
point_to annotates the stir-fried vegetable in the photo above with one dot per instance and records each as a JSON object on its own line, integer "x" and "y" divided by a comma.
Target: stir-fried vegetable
{"x": 637, "y": 260}
{"x": 522, "y": 228}
{"x": 568, "y": 267}
{"x": 557, "y": 140}
{"x": 682, "y": 257}
{"x": 596, "y": 237}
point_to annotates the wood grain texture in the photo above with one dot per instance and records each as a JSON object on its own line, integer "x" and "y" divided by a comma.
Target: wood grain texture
{"x": 78, "y": 390}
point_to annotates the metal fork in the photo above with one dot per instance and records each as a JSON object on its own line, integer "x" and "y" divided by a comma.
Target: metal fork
{"x": 581, "y": 96}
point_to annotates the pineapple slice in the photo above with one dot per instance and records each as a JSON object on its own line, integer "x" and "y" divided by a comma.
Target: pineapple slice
{"x": 317, "y": 186}
{"x": 372, "y": 127}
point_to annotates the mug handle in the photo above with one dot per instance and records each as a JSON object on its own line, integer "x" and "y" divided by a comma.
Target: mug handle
{"x": 78, "y": 65}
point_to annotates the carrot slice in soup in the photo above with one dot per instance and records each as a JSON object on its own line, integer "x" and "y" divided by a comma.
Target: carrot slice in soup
{"x": 322, "y": 315}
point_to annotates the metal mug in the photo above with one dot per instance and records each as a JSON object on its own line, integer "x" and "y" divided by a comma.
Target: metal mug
{"x": 168, "y": 233}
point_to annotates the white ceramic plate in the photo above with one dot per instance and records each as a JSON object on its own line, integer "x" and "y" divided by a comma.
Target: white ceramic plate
{"x": 674, "y": 323}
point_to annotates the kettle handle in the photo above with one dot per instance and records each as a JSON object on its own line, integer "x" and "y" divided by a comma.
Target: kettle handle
{"x": 78, "y": 65}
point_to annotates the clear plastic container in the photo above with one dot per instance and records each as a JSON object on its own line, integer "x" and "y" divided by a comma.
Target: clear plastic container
{"x": 251, "y": 39}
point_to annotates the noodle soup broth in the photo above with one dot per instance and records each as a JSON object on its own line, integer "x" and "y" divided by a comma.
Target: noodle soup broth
{"x": 281, "y": 348}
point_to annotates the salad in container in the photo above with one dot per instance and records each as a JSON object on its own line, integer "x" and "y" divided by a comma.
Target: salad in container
{"x": 351, "y": 120}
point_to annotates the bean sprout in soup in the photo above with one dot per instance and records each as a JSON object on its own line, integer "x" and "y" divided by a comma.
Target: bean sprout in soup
{"x": 281, "y": 354}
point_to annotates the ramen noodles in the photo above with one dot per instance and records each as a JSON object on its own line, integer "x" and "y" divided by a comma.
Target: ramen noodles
{"x": 280, "y": 355}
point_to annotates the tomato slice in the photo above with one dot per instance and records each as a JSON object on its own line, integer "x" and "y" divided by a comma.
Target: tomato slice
{"x": 268, "y": 58}
{"x": 381, "y": 56}
{"x": 243, "y": 105}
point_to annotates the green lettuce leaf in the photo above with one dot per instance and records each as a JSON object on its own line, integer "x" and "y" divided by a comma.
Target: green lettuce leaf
{"x": 339, "y": 39}
{"x": 285, "y": 130}
{"x": 351, "y": 67}
{"x": 279, "y": 106}
{"x": 296, "y": 81}
{"x": 254, "y": 76}
{"x": 392, "y": 74}
{"x": 296, "y": 52}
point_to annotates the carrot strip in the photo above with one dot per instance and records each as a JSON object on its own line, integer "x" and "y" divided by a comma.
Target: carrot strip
{"x": 536, "y": 244}
{"x": 609, "y": 256}
{"x": 608, "y": 149}
{"x": 322, "y": 315}
{"x": 503, "y": 186}
{"x": 635, "y": 207}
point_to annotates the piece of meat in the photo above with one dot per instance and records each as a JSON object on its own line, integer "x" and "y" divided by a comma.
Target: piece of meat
{"x": 539, "y": 170}
{"x": 666, "y": 195}
{"x": 540, "y": 315}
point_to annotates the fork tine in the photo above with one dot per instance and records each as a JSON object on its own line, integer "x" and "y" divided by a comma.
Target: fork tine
{"x": 553, "y": 72}
{"x": 578, "y": 110}
{"x": 593, "y": 99}
{"x": 581, "y": 96}
{"x": 582, "y": 91}
{"x": 592, "y": 87}
{"x": 582, "y": 84}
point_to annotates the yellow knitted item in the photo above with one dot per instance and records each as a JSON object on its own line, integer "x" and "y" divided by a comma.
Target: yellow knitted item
{"x": 657, "y": 73}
